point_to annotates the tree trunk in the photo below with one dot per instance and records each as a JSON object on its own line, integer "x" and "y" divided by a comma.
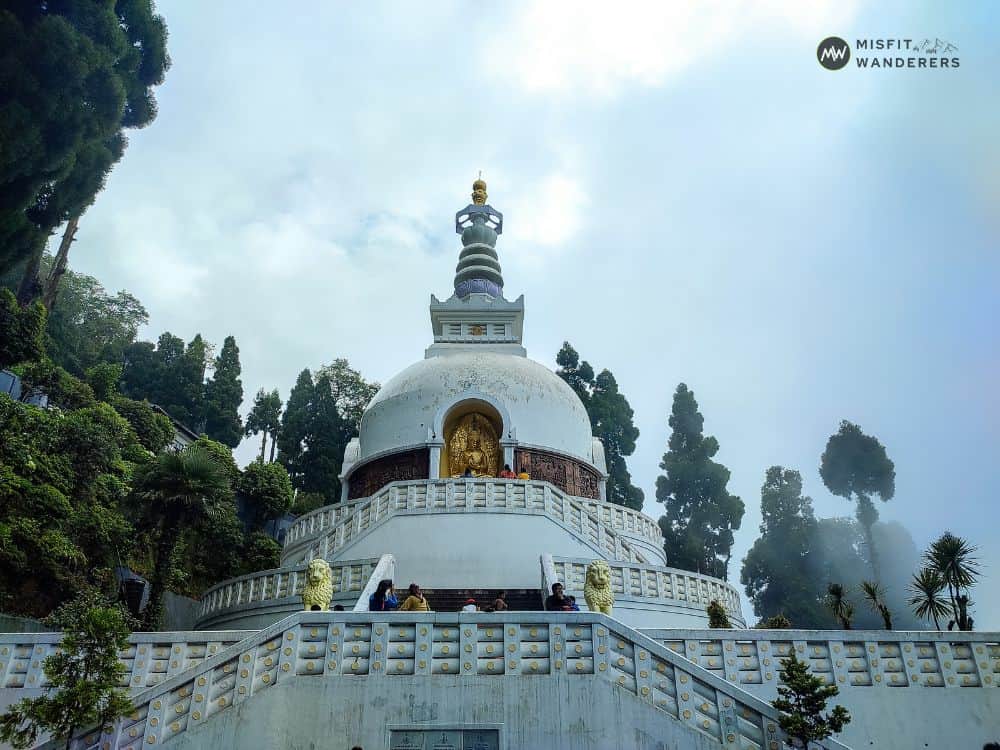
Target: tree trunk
{"x": 263, "y": 446}
{"x": 161, "y": 572}
{"x": 30, "y": 288}
{"x": 274, "y": 441}
{"x": 59, "y": 265}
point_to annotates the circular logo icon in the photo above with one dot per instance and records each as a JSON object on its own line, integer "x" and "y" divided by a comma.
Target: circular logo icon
{"x": 833, "y": 53}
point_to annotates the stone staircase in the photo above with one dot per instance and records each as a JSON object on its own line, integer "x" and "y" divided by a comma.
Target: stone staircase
{"x": 586, "y": 650}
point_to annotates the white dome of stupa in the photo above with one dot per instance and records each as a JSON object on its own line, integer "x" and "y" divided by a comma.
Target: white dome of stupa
{"x": 537, "y": 407}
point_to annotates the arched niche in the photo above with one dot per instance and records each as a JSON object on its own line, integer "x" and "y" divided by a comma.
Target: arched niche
{"x": 472, "y": 430}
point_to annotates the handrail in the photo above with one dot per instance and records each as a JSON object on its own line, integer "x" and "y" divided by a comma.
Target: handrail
{"x": 847, "y": 658}
{"x": 544, "y": 645}
{"x": 472, "y": 496}
{"x": 655, "y": 582}
{"x": 386, "y": 568}
{"x": 278, "y": 585}
{"x": 618, "y": 517}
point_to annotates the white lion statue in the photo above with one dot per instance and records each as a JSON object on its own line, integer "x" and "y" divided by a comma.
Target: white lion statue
{"x": 597, "y": 589}
{"x": 318, "y": 591}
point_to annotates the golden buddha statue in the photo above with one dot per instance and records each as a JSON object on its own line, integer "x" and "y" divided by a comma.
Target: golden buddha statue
{"x": 473, "y": 445}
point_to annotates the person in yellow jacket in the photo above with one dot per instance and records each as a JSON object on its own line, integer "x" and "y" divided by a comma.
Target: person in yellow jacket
{"x": 415, "y": 601}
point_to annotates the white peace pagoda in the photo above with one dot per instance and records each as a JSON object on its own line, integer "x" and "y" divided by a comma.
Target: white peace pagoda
{"x": 422, "y": 501}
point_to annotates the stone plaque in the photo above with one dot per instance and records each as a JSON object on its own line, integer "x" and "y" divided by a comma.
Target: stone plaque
{"x": 444, "y": 739}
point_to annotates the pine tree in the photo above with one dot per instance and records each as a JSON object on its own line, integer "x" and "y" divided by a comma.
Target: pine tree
{"x": 717, "y": 616}
{"x": 265, "y": 417}
{"x": 856, "y": 465}
{"x": 223, "y": 396}
{"x": 84, "y": 675}
{"x": 778, "y": 571}
{"x": 610, "y": 420}
{"x": 324, "y": 442}
{"x": 802, "y": 700}
{"x": 701, "y": 515}
{"x": 578, "y": 375}
{"x": 295, "y": 425}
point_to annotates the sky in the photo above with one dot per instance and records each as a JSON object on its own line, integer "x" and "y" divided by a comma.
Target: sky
{"x": 688, "y": 197}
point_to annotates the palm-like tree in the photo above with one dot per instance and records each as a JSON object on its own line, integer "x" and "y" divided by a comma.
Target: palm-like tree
{"x": 875, "y": 594}
{"x": 177, "y": 491}
{"x": 842, "y": 609}
{"x": 926, "y": 600}
{"x": 952, "y": 557}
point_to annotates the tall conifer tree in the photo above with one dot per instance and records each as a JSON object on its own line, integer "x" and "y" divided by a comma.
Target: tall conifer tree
{"x": 778, "y": 572}
{"x": 223, "y": 396}
{"x": 323, "y": 457}
{"x": 701, "y": 515}
{"x": 295, "y": 426}
{"x": 610, "y": 420}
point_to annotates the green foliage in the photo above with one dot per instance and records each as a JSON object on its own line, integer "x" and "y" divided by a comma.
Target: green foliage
{"x": 223, "y": 396}
{"x": 88, "y": 326}
{"x": 874, "y": 594}
{"x": 802, "y": 699}
{"x": 103, "y": 380}
{"x": 774, "y": 622}
{"x": 325, "y": 442}
{"x": 63, "y": 390}
{"x": 222, "y": 455}
{"x": 926, "y": 596}
{"x": 74, "y": 75}
{"x": 21, "y": 330}
{"x": 954, "y": 560}
{"x": 295, "y": 425}
{"x": 306, "y": 502}
{"x": 839, "y": 605}
{"x": 351, "y": 393}
{"x": 260, "y": 552}
{"x": 777, "y": 572}
{"x": 611, "y": 420}
{"x": 856, "y": 465}
{"x": 267, "y": 491}
{"x": 176, "y": 491}
{"x": 717, "y": 616}
{"x": 169, "y": 375}
{"x": 321, "y": 417}
{"x": 154, "y": 430}
{"x": 265, "y": 417}
{"x": 701, "y": 515}
{"x": 84, "y": 674}
{"x": 63, "y": 480}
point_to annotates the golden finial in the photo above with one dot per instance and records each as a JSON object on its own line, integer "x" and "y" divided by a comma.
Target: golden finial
{"x": 479, "y": 191}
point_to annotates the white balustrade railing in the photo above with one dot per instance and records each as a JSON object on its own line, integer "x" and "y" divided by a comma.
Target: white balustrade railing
{"x": 617, "y": 517}
{"x": 380, "y": 646}
{"x": 582, "y": 518}
{"x": 653, "y": 583}
{"x": 845, "y": 658}
{"x": 149, "y": 659}
{"x": 279, "y": 585}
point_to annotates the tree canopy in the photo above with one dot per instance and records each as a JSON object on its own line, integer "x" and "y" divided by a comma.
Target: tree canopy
{"x": 611, "y": 420}
{"x": 701, "y": 515}
{"x": 856, "y": 465}
{"x": 73, "y": 76}
{"x": 223, "y": 396}
{"x": 778, "y": 570}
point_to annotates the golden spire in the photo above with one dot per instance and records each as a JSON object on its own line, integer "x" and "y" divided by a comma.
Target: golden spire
{"x": 479, "y": 191}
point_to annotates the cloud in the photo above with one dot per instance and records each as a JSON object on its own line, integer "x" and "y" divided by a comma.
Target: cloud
{"x": 596, "y": 47}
